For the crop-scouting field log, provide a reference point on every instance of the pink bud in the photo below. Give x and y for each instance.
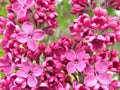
(10, 25)
(8, 8)
(11, 16)
(42, 46)
(118, 36)
(100, 12)
(114, 53)
(48, 51)
(12, 1)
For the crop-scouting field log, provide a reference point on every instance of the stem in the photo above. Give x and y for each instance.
(75, 76)
(81, 77)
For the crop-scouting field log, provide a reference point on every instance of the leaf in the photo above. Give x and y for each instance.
(111, 11)
(1, 53)
(2, 74)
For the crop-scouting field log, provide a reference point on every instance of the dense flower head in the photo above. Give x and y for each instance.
(80, 6)
(84, 60)
(112, 3)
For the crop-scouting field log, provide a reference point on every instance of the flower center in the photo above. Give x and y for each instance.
(29, 36)
(76, 61)
(30, 72)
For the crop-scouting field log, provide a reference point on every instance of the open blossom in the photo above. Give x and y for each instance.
(97, 74)
(30, 36)
(76, 60)
(30, 72)
(21, 7)
(97, 42)
(100, 12)
(79, 6)
(6, 64)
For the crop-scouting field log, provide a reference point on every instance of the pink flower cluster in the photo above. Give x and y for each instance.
(98, 31)
(86, 6)
(84, 61)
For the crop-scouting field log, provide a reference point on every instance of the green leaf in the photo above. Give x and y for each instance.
(1, 53)
(2, 74)
(111, 11)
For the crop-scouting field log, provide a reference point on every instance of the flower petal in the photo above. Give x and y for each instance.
(70, 55)
(22, 37)
(22, 2)
(32, 81)
(32, 45)
(8, 70)
(37, 70)
(80, 66)
(105, 78)
(19, 80)
(26, 67)
(28, 27)
(22, 73)
(22, 13)
(101, 66)
(90, 81)
(89, 70)
(16, 7)
(71, 67)
(29, 3)
(80, 54)
(38, 35)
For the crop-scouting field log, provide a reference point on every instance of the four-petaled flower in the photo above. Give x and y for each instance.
(21, 7)
(97, 74)
(76, 60)
(30, 36)
(6, 64)
(30, 72)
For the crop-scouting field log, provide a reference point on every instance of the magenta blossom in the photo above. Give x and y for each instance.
(30, 72)
(6, 64)
(97, 42)
(76, 60)
(30, 36)
(20, 7)
(97, 74)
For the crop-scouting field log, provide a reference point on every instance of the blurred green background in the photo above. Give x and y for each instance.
(3, 4)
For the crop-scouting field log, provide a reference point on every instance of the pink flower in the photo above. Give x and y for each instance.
(6, 64)
(82, 21)
(115, 84)
(79, 6)
(30, 72)
(100, 87)
(30, 36)
(97, 74)
(97, 42)
(76, 60)
(20, 7)
(115, 4)
(99, 22)
(110, 39)
(80, 86)
(100, 12)
(117, 35)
